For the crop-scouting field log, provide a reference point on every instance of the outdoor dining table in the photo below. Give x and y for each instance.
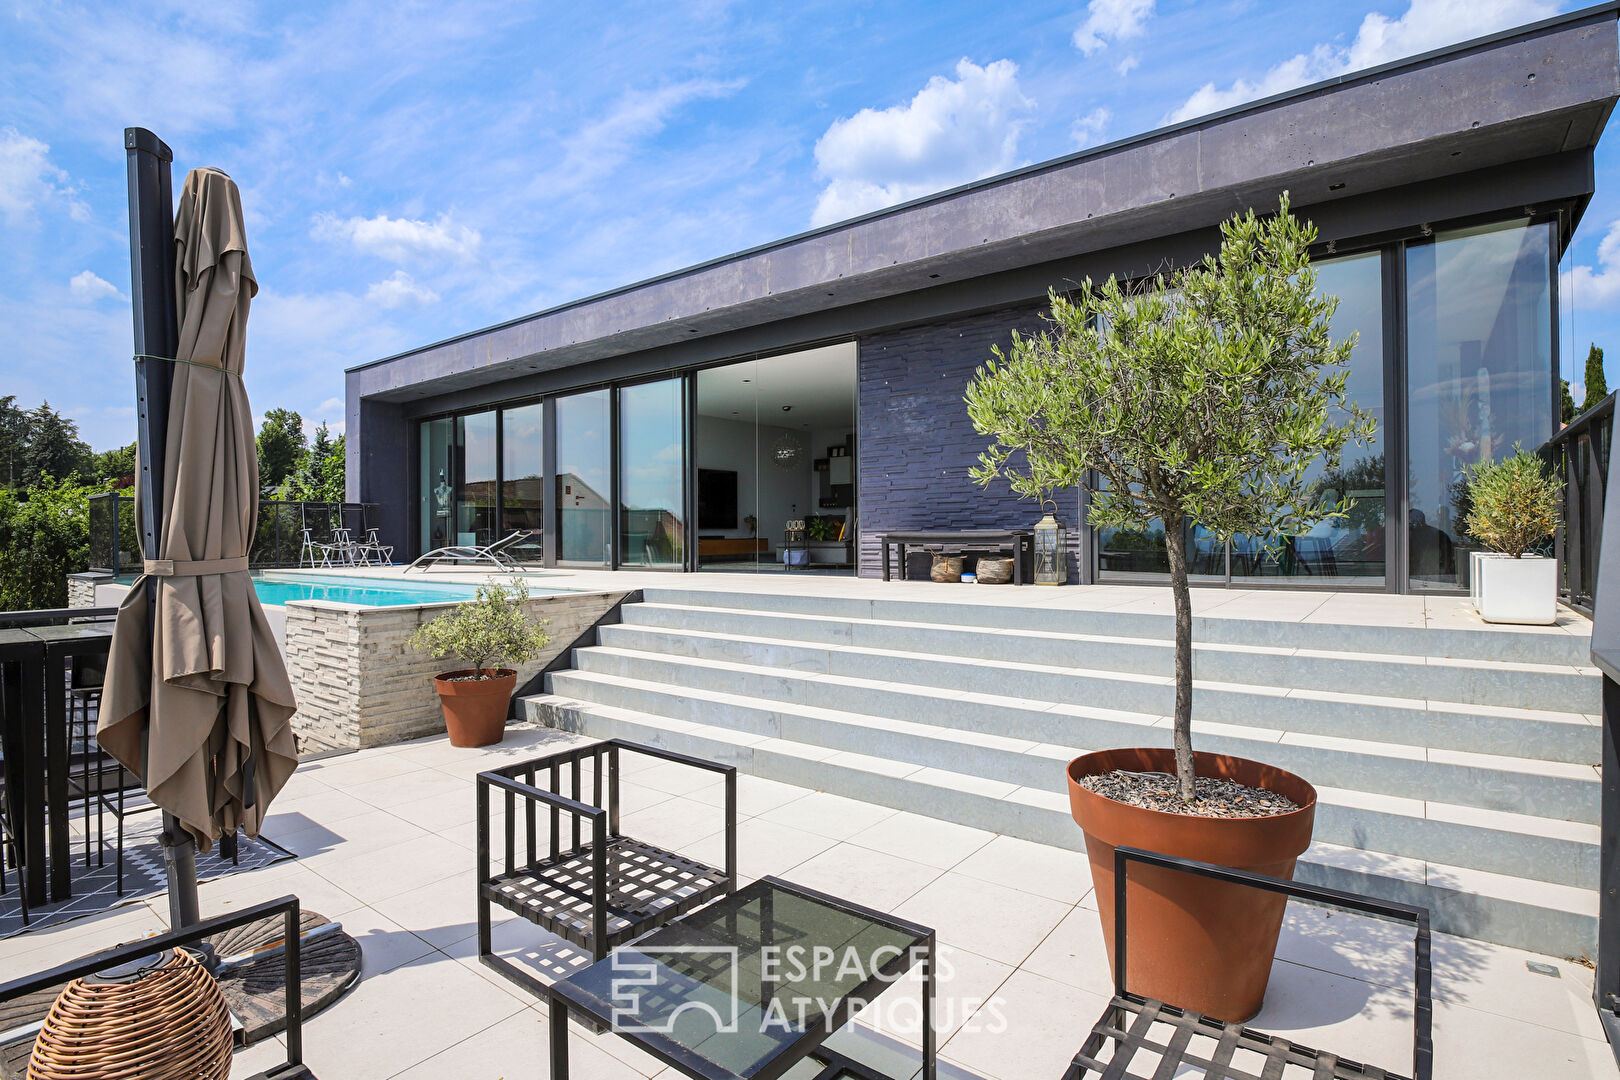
(33, 693)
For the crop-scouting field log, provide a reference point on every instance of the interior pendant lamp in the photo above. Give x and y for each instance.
(1051, 549)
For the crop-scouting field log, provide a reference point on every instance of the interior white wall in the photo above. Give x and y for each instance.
(731, 444)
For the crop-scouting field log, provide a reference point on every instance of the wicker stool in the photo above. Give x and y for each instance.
(160, 1018)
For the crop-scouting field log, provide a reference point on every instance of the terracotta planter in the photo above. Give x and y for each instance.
(475, 709)
(1202, 945)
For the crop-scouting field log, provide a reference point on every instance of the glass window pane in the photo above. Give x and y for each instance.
(1479, 375)
(652, 475)
(523, 496)
(1350, 549)
(437, 492)
(584, 465)
(475, 483)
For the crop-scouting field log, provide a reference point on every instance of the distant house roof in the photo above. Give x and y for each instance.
(1538, 90)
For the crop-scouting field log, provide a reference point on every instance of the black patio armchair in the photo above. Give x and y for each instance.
(287, 908)
(1138, 1038)
(591, 884)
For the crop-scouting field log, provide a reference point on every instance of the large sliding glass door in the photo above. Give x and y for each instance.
(585, 478)
(523, 484)
(476, 478)
(437, 472)
(1479, 376)
(1347, 550)
(1343, 551)
(652, 474)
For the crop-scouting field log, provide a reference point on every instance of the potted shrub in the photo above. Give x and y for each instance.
(1212, 395)
(1513, 506)
(486, 634)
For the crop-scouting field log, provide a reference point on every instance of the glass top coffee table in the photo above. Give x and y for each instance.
(751, 987)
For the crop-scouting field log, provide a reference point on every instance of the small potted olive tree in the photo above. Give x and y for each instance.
(1211, 395)
(1514, 507)
(486, 634)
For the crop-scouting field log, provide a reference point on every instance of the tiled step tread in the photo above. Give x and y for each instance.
(1500, 820)
(1079, 639)
(1559, 769)
(1560, 645)
(1400, 873)
(898, 656)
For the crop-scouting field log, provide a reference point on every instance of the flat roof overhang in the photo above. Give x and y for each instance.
(1536, 92)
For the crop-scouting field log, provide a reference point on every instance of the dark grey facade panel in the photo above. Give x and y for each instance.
(915, 443)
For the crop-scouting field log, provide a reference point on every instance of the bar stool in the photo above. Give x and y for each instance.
(9, 848)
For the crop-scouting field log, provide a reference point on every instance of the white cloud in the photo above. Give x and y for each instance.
(28, 179)
(1128, 65)
(399, 290)
(89, 287)
(1111, 20)
(1427, 24)
(951, 132)
(601, 146)
(402, 240)
(329, 406)
(1599, 286)
(1089, 128)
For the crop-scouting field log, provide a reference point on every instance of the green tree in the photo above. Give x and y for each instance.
(112, 468)
(1597, 387)
(45, 533)
(53, 448)
(1566, 403)
(1210, 394)
(281, 449)
(13, 440)
(334, 475)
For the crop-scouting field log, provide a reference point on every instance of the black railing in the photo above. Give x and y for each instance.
(1605, 574)
(278, 541)
(1580, 455)
(113, 542)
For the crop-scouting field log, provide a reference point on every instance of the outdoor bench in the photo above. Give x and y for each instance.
(1020, 541)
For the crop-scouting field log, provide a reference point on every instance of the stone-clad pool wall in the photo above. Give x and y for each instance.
(357, 682)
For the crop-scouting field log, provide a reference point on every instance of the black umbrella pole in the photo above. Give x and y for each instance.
(157, 335)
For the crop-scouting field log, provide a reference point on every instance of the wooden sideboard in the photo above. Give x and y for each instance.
(745, 545)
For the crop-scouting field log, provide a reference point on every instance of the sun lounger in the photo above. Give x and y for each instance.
(495, 554)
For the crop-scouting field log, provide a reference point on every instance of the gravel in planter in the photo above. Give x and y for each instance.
(1215, 797)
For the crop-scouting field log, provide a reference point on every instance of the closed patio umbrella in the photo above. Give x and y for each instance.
(197, 701)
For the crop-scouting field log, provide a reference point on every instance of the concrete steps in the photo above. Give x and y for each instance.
(1475, 806)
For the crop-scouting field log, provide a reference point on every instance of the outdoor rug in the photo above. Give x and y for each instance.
(94, 887)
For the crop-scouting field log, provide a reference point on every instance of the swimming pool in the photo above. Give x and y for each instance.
(361, 591)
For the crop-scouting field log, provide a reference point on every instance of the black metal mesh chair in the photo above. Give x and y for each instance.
(1139, 1038)
(591, 885)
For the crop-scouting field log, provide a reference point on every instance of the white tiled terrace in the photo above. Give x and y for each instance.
(385, 840)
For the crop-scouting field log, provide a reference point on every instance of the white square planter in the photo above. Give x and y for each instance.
(1523, 590)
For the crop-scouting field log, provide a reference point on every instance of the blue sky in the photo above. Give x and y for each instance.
(414, 170)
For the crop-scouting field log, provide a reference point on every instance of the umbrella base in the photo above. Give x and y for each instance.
(330, 963)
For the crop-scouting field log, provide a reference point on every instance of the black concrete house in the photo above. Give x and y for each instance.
(684, 421)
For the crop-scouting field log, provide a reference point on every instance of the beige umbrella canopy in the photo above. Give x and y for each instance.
(197, 700)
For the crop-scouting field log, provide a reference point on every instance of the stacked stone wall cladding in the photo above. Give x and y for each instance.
(916, 443)
(82, 588)
(360, 684)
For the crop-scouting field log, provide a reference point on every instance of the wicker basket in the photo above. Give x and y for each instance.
(946, 567)
(163, 1019)
(995, 570)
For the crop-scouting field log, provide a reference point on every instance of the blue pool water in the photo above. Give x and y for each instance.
(364, 592)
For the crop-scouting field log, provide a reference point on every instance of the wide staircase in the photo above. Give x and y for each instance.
(1456, 769)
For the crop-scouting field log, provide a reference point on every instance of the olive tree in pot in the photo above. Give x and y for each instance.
(486, 634)
(1513, 506)
(1212, 395)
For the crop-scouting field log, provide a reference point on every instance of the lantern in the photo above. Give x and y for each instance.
(1051, 551)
